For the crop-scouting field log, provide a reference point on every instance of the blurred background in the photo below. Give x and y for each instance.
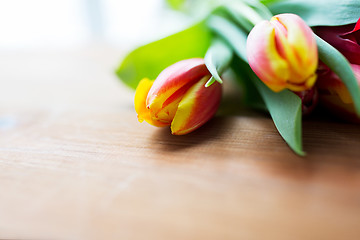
(65, 52)
(34, 24)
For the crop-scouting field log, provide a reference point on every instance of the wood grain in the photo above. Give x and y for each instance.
(76, 164)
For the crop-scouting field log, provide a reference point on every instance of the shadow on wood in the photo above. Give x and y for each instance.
(211, 131)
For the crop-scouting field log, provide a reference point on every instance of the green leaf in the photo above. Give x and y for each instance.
(285, 110)
(284, 107)
(217, 59)
(251, 95)
(267, 2)
(341, 67)
(321, 12)
(239, 18)
(247, 13)
(260, 8)
(149, 60)
(176, 4)
(232, 34)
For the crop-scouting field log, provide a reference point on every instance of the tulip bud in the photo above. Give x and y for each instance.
(283, 53)
(178, 97)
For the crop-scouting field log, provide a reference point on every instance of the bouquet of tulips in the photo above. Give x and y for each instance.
(287, 55)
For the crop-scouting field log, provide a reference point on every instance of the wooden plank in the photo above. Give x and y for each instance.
(75, 163)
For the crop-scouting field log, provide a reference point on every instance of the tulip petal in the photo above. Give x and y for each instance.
(171, 85)
(283, 53)
(300, 47)
(140, 103)
(357, 26)
(345, 38)
(197, 106)
(264, 57)
(307, 84)
(354, 35)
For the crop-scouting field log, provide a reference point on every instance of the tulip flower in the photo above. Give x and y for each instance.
(333, 92)
(283, 53)
(344, 38)
(178, 97)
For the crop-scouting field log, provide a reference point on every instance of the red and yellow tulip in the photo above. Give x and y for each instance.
(333, 92)
(178, 97)
(283, 53)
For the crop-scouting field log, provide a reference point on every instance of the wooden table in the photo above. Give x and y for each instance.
(76, 164)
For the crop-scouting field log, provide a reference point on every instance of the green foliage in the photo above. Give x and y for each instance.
(252, 97)
(260, 8)
(149, 60)
(284, 107)
(339, 65)
(320, 12)
(285, 110)
(239, 19)
(232, 34)
(267, 2)
(176, 4)
(217, 59)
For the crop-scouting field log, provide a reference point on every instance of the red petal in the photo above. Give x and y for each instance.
(344, 38)
(357, 26)
(197, 107)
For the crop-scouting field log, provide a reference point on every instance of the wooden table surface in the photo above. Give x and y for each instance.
(76, 164)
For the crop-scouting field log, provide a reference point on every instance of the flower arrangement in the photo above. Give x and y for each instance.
(288, 55)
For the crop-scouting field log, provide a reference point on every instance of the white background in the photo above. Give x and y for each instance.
(33, 24)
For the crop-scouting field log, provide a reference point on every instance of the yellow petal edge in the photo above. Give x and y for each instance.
(143, 112)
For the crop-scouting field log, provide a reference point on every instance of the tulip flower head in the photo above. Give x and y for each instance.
(344, 38)
(333, 93)
(283, 53)
(178, 97)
